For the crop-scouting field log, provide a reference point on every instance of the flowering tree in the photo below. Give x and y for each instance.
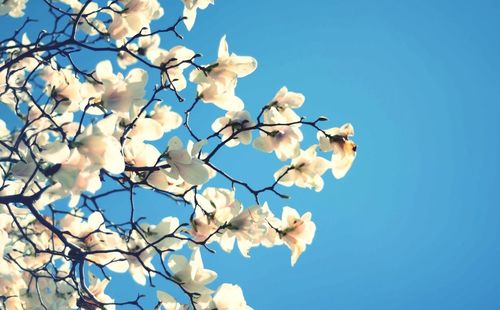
(83, 133)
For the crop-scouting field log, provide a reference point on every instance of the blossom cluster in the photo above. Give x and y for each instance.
(86, 134)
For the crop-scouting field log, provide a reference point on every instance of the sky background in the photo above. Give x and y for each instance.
(415, 223)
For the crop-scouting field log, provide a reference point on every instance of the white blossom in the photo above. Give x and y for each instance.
(305, 170)
(217, 83)
(13, 8)
(344, 150)
(230, 123)
(184, 164)
(190, 7)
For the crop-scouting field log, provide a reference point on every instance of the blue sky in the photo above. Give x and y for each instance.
(415, 224)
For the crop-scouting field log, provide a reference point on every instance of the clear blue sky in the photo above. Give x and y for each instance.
(415, 224)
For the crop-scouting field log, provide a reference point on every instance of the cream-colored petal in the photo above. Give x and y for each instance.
(223, 48)
(56, 152)
(147, 129)
(104, 70)
(194, 173)
(264, 144)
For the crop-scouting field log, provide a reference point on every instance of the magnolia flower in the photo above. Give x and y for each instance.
(173, 63)
(97, 287)
(149, 46)
(232, 122)
(137, 244)
(98, 144)
(29, 63)
(191, 275)
(248, 228)
(40, 126)
(279, 136)
(118, 93)
(221, 207)
(296, 231)
(185, 165)
(190, 7)
(64, 87)
(126, 58)
(168, 119)
(305, 170)
(14, 8)
(140, 154)
(164, 235)
(13, 79)
(130, 20)
(344, 150)
(75, 176)
(161, 180)
(146, 129)
(90, 24)
(223, 203)
(169, 303)
(216, 84)
(229, 297)
(93, 235)
(283, 103)
(283, 140)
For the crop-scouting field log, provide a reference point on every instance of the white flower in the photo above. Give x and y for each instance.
(64, 87)
(149, 46)
(192, 275)
(146, 129)
(126, 58)
(284, 102)
(283, 140)
(136, 244)
(75, 176)
(185, 165)
(98, 144)
(169, 303)
(94, 149)
(90, 24)
(217, 83)
(136, 14)
(281, 137)
(140, 154)
(173, 63)
(118, 93)
(232, 122)
(296, 231)
(344, 150)
(229, 297)
(248, 228)
(14, 8)
(221, 207)
(305, 170)
(12, 79)
(168, 119)
(94, 236)
(159, 235)
(190, 7)
(97, 287)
